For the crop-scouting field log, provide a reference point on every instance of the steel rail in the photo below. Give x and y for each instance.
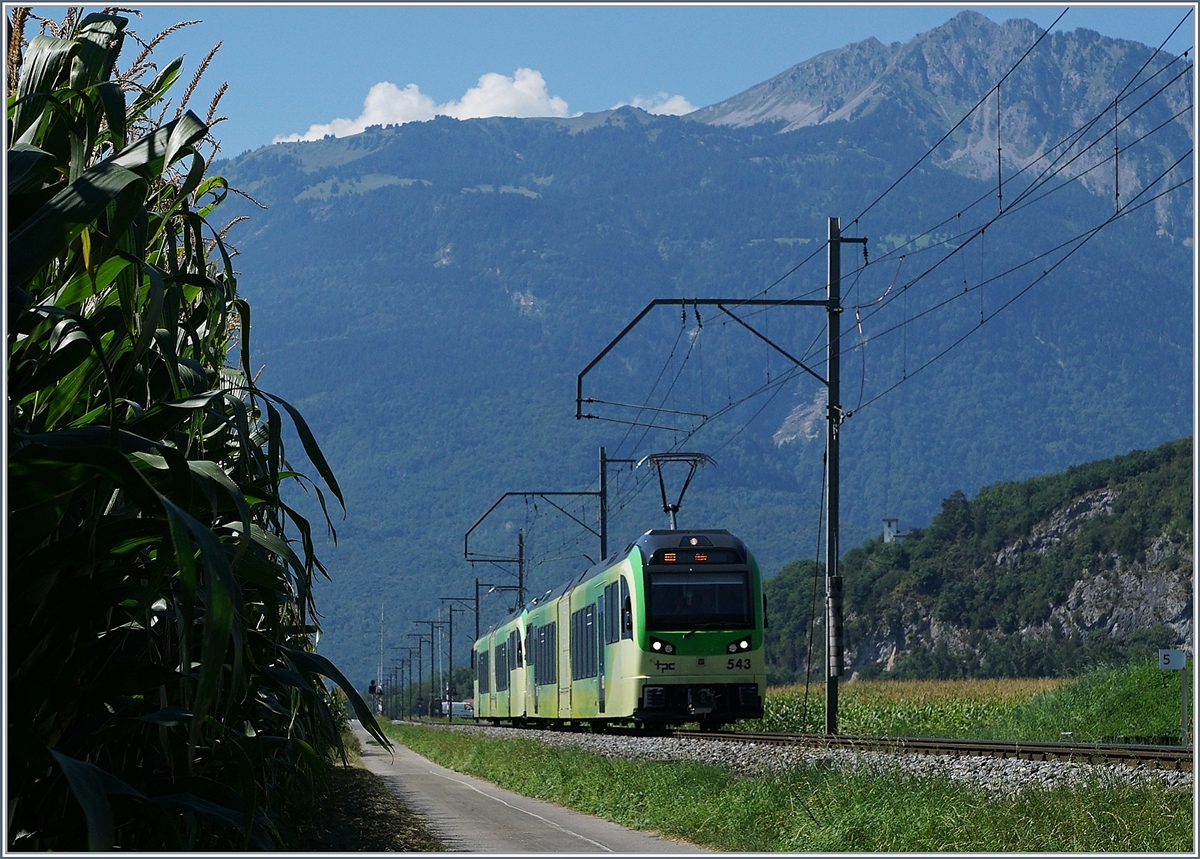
(1158, 757)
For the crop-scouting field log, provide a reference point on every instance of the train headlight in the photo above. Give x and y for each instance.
(660, 646)
(739, 645)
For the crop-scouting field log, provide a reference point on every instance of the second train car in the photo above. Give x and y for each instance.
(667, 632)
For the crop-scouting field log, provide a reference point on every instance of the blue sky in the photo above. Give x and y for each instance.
(296, 69)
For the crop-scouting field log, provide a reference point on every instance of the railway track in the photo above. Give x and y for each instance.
(1158, 757)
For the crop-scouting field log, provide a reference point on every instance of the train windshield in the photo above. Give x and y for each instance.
(699, 600)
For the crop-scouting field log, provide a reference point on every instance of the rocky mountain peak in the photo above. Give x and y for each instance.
(928, 84)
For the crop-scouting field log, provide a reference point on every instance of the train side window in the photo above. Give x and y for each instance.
(575, 645)
(481, 671)
(545, 662)
(583, 642)
(626, 610)
(603, 612)
(612, 613)
(590, 638)
(606, 616)
(502, 668)
(533, 652)
(578, 645)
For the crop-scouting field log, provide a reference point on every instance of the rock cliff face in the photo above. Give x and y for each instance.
(1113, 597)
(1126, 597)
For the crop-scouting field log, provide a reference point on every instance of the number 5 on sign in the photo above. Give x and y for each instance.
(1176, 660)
(1172, 660)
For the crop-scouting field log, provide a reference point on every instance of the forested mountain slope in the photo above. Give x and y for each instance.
(429, 293)
(1043, 577)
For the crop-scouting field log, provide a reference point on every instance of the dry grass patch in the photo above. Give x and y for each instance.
(912, 708)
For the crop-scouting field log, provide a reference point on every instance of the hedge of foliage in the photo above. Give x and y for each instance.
(162, 684)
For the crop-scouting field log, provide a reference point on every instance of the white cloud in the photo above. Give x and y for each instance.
(524, 94)
(385, 104)
(673, 105)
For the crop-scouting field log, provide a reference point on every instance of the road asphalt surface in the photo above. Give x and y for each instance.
(470, 815)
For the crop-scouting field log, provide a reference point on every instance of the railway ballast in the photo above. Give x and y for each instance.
(998, 776)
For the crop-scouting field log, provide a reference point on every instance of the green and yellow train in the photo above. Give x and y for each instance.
(669, 631)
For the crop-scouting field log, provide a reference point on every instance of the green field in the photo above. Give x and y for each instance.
(1131, 704)
(818, 807)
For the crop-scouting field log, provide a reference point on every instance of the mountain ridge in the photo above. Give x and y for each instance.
(427, 293)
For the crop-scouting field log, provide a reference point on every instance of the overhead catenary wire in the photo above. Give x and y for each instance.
(908, 320)
(1078, 241)
(1026, 197)
(1040, 181)
(1053, 168)
(983, 282)
(1081, 241)
(1065, 142)
(979, 232)
(968, 114)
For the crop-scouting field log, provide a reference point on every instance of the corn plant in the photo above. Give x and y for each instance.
(163, 689)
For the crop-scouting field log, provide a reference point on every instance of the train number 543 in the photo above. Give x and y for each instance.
(734, 664)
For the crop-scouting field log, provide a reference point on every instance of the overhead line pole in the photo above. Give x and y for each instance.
(835, 415)
(403, 690)
(601, 496)
(469, 601)
(450, 634)
(833, 579)
(604, 461)
(432, 691)
(420, 637)
(409, 703)
(695, 302)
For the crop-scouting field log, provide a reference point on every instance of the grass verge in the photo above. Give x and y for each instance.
(819, 808)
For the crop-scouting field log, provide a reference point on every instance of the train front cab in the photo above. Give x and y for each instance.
(698, 611)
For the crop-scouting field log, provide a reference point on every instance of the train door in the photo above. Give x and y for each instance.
(564, 657)
(491, 642)
(517, 698)
(531, 678)
(599, 632)
(506, 704)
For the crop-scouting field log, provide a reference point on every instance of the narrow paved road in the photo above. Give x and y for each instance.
(470, 815)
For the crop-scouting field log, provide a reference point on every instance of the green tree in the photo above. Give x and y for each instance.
(795, 600)
(163, 688)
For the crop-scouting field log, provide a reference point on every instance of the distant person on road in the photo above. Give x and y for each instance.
(420, 707)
